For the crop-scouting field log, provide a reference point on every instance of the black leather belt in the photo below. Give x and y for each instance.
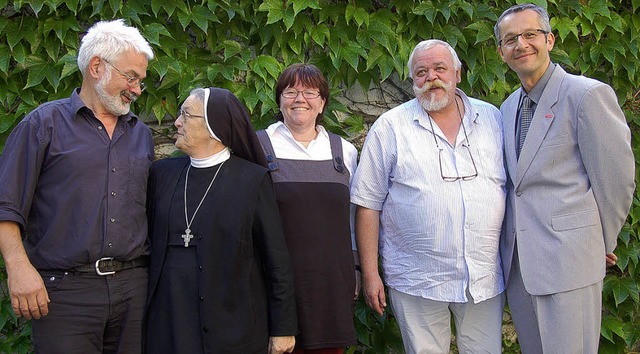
(108, 265)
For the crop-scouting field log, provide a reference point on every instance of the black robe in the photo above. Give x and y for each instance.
(235, 277)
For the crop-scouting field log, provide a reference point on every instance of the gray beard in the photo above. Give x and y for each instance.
(113, 104)
(430, 104)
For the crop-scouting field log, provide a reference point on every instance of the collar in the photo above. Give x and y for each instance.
(536, 91)
(77, 105)
(280, 127)
(212, 160)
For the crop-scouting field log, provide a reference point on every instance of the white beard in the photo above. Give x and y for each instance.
(429, 102)
(113, 104)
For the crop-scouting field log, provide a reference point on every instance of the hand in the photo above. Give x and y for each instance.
(29, 296)
(281, 344)
(611, 259)
(373, 290)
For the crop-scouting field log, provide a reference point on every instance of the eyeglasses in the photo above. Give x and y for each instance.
(466, 137)
(131, 80)
(308, 94)
(528, 36)
(455, 178)
(186, 115)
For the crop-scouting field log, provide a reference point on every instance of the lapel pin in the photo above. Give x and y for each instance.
(548, 115)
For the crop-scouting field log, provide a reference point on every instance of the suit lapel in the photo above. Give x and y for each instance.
(510, 110)
(542, 120)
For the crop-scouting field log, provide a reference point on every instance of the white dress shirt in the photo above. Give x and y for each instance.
(437, 238)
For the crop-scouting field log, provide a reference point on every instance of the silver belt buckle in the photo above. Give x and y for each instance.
(98, 266)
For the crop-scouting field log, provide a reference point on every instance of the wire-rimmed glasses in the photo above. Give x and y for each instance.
(528, 36)
(132, 81)
(186, 115)
(308, 94)
(466, 137)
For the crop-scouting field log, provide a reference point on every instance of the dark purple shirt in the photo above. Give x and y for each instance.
(77, 195)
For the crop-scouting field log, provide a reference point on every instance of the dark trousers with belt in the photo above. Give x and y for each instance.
(91, 313)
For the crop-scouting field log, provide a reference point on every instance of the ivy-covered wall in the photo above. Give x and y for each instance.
(243, 45)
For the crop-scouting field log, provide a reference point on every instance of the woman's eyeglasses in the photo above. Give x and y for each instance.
(308, 94)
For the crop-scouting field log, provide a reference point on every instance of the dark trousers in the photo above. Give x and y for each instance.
(89, 313)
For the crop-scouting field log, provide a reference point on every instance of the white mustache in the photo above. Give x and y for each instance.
(430, 85)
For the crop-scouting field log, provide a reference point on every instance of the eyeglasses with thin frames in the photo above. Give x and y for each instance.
(186, 115)
(131, 80)
(528, 36)
(308, 94)
(455, 178)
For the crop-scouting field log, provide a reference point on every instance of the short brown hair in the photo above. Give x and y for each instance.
(308, 75)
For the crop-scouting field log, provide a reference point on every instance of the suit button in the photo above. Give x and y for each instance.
(205, 329)
(518, 193)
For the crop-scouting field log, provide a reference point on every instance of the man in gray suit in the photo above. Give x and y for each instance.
(570, 186)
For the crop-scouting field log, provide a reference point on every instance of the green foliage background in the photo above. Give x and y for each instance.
(243, 45)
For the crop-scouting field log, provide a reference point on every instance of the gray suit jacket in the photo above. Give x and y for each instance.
(570, 192)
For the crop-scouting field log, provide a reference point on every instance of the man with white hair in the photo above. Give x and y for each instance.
(430, 191)
(73, 229)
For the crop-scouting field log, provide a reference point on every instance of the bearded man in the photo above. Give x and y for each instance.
(430, 192)
(73, 227)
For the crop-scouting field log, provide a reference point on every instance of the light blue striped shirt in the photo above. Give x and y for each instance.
(437, 238)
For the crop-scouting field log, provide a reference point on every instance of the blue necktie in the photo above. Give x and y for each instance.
(526, 115)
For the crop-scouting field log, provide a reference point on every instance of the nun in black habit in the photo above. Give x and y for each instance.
(220, 277)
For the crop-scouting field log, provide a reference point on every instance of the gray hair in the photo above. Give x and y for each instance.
(428, 44)
(108, 40)
(543, 17)
(198, 93)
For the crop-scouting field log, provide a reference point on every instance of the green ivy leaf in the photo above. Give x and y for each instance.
(14, 34)
(300, 5)
(289, 17)
(469, 9)
(153, 31)
(483, 30)
(169, 6)
(37, 73)
(351, 52)
(19, 54)
(361, 16)
(611, 325)
(485, 11)
(631, 334)
(201, 17)
(320, 34)
(36, 5)
(565, 26)
(349, 12)
(97, 8)
(596, 8)
(623, 288)
(5, 58)
(264, 65)
(427, 10)
(445, 9)
(275, 10)
(116, 5)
